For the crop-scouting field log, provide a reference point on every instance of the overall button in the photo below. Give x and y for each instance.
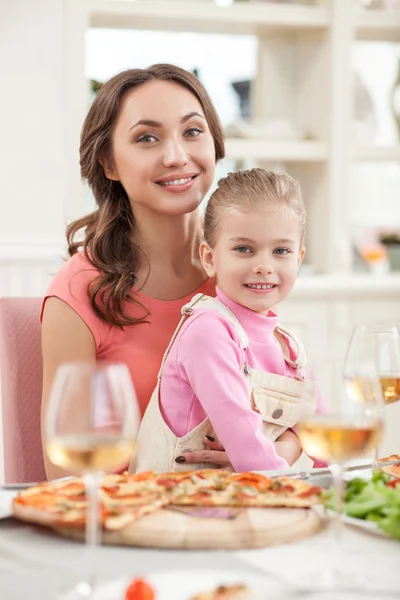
(278, 412)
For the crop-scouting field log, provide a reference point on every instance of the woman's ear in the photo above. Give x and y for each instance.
(108, 169)
(207, 259)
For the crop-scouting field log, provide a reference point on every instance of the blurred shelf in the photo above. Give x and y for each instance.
(378, 25)
(361, 286)
(377, 153)
(276, 150)
(205, 16)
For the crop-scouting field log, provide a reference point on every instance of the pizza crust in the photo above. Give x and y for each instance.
(393, 470)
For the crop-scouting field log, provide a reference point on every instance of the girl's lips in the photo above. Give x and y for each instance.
(265, 290)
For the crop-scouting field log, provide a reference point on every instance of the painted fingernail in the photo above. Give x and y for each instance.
(210, 438)
(180, 459)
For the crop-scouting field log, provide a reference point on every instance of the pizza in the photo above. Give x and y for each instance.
(393, 470)
(226, 592)
(211, 487)
(125, 498)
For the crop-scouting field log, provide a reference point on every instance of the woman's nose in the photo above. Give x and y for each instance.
(175, 154)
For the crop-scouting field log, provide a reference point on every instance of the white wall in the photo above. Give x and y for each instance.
(32, 149)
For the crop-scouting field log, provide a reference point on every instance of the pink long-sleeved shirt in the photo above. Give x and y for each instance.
(202, 377)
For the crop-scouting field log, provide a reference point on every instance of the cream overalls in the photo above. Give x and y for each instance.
(280, 400)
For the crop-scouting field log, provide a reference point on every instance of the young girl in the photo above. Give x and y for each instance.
(230, 370)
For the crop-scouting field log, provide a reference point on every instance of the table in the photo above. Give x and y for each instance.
(36, 564)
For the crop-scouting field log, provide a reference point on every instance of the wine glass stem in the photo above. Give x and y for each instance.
(330, 575)
(92, 524)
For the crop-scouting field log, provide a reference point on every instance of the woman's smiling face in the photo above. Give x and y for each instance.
(163, 151)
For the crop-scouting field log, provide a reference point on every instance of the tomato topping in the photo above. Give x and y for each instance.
(111, 489)
(166, 482)
(142, 476)
(314, 490)
(253, 479)
(393, 483)
(283, 489)
(139, 589)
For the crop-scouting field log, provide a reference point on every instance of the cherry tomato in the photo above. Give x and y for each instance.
(139, 589)
(393, 483)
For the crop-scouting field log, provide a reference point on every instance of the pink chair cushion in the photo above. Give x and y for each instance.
(21, 388)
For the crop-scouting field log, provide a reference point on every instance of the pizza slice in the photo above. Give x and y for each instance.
(123, 500)
(226, 592)
(393, 470)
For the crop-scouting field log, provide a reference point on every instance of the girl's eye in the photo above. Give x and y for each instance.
(147, 138)
(281, 251)
(193, 132)
(243, 249)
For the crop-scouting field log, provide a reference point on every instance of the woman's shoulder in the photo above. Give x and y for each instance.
(73, 276)
(71, 285)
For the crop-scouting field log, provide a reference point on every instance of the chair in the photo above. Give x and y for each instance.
(21, 388)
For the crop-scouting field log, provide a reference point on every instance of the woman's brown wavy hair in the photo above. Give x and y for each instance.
(108, 241)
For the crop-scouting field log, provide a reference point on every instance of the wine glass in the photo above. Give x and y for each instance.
(349, 429)
(91, 425)
(381, 345)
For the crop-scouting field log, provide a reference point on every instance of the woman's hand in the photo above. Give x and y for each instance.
(288, 446)
(215, 455)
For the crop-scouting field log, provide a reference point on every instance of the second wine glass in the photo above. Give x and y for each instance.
(349, 429)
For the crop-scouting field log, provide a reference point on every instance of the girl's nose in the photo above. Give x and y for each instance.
(261, 269)
(175, 154)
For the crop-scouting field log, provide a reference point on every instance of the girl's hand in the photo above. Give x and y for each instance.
(216, 455)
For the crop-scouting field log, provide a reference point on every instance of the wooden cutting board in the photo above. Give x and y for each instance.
(251, 528)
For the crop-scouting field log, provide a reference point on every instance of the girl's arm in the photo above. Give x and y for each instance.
(209, 358)
(65, 338)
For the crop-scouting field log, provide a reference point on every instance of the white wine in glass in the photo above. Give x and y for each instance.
(92, 422)
(339, 439)
(381, 346)
(351, 428)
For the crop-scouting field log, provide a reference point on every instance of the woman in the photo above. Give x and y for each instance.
(148, 151)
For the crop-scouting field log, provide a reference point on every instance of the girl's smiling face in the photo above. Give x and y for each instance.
(256, 255)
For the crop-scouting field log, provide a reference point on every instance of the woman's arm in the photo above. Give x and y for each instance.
(65, 338)
(288, 446)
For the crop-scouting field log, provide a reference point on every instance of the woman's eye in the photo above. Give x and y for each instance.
(193, 132)
(243, 249)
(147, 138)
(281, 251)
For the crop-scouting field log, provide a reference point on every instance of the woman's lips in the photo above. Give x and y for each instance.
(177, 184)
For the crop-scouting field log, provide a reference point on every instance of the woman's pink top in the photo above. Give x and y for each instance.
(202, 377)
(140, 346)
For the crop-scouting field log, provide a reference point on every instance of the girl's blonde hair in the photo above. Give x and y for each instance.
(239, 191)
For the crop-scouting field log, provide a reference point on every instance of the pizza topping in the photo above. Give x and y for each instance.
(313, 490)
(126, 498)
(139, 589)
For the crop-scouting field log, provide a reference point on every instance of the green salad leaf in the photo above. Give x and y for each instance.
(376, 500)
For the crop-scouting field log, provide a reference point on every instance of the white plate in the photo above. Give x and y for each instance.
(184, 584)
(6, 498)
(369, 526)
